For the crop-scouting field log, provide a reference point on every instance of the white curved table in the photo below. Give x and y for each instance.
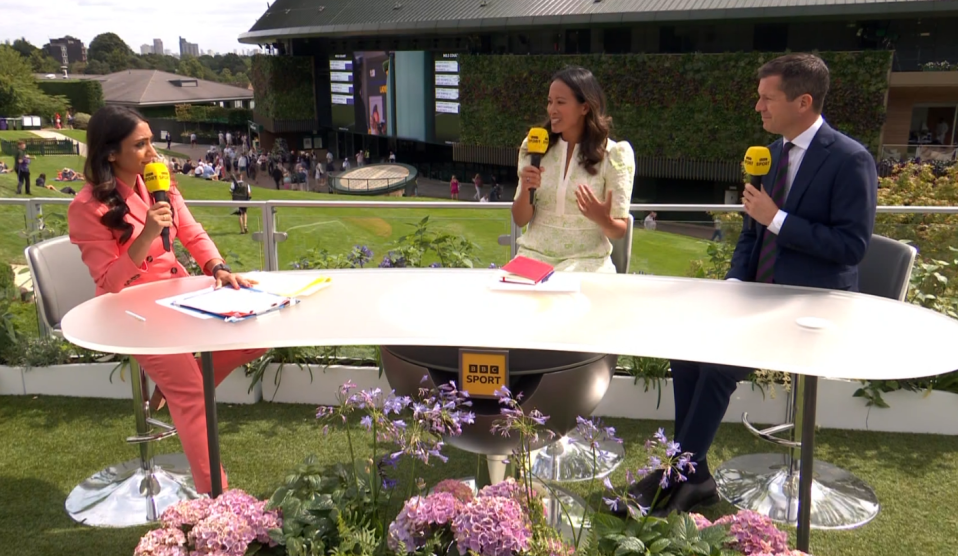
(805, 331)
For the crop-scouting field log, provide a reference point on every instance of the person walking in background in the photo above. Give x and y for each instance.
(477, 181)
(454, 188)
(649, 221)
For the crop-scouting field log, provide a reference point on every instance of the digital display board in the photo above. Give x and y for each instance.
(447, 95)
(342, 91)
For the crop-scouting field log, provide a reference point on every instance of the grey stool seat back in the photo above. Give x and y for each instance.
(61, 280)
(886, 269)
(622, 249)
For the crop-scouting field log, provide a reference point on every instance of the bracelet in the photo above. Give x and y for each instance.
(218, 267)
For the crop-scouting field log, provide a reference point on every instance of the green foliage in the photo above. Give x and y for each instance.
(675, 536)
(283, 87)
(83, 95)
(43, 351)
(653, 372)
(213, 114)
(81, 120)
(324, 510)
(674, 105)
(19, 93)
(110, 50)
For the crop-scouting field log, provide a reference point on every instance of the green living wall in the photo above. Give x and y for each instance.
(83, 95)
(699, 106)
(283, 87)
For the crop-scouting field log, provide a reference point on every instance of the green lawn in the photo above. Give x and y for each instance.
(13, 135)
(51, 444)
(75, 134)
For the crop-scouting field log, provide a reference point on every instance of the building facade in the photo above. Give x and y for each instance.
(921, 102)
(188, 48)
(66, 50)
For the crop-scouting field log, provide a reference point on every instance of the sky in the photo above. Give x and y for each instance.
(212, 25)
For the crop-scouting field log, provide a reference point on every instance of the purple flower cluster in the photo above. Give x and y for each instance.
(663, 455)
(419, 518)
(392, 261)
(593, 432)
(435, 414)
(492, 526)
(509, 488)
(754, 533)
(360, 255)
(516, 420)
(224, 526)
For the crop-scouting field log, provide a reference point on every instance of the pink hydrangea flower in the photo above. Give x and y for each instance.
(418, 518)
(492, 526)
(186, 512)
(701, 522)
(754, 533)
(462, 492)
(162, 542)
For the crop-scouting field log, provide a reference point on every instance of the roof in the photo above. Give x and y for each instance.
(305, 18)
(72, 77)
(158, 88)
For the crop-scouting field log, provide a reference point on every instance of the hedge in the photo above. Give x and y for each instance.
(83, 95)
(283, 87)
(213, 114)
(673, 105)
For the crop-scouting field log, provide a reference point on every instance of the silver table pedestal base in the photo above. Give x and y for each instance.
(569, 459)
(132, 493)
(765, 484)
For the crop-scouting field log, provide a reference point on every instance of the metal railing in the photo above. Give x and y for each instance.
(271, 237)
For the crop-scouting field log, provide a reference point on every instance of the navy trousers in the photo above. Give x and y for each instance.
(702, 392)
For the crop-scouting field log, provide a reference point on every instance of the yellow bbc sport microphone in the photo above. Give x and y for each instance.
(156, 176)
(758, 162)
(538, 144)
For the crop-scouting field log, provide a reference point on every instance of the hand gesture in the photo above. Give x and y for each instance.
(590, 207)
(759, 205)
(530, 178)
(224, 277)
(158, 218)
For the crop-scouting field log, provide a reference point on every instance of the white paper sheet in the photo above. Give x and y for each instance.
(223, 301)
(559, 282)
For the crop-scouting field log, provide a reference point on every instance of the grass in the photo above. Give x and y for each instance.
(75, 134)
(335, 229)
(51, 444)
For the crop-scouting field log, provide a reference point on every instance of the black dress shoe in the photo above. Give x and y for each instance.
(687, 496)
(643, 492)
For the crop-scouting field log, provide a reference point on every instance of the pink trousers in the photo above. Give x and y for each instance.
(181, 379)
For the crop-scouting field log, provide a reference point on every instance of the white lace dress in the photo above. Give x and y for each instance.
(559, 234)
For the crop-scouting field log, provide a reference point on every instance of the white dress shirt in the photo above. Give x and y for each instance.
(800, 146)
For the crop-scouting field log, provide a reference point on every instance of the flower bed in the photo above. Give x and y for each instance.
(358, 507)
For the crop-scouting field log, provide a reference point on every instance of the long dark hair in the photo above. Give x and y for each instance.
(107, 129)
(597, 124)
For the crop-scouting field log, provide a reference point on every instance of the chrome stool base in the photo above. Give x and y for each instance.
(569, 459)
(764, 484)
(125, 495)
(564, 510)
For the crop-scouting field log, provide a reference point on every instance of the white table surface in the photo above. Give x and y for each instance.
(735, 323)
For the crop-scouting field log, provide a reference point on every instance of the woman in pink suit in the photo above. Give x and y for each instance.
(117, 228)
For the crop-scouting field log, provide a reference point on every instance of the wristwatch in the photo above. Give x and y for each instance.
(219, 267)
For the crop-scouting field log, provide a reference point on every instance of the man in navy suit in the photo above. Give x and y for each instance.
(809, 225)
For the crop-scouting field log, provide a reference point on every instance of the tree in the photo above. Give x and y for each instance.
(19, 93)
(110, 49)
(24, 47)
(43, 63)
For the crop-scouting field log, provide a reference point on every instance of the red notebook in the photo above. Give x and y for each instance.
(523, 270)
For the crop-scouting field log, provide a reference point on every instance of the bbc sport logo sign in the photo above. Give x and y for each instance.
(482, 372)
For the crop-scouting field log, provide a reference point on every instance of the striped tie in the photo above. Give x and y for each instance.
(766, 259)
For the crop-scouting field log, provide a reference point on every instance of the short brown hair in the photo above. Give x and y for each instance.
(802, 74)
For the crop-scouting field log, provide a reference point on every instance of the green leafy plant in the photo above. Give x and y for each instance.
(666, 105)
(283, 87)
(677, 535)
(653, 372)
(83, 95)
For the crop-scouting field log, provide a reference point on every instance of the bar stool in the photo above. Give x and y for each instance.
(769, 483)
(130, 493)
(569, 459)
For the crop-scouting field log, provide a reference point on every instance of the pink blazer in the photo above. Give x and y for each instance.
(110, 265)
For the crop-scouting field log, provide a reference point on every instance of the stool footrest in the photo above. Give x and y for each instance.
(768, 434)
(166, 431)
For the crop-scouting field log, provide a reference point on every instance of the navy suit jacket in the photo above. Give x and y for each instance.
(831, 214)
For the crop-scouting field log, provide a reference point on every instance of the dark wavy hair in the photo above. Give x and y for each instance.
(107, 129)
(597, 123)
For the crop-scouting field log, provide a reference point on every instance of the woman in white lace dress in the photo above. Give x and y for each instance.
(583, 185)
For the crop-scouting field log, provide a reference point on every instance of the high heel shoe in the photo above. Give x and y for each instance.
(157, 400)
